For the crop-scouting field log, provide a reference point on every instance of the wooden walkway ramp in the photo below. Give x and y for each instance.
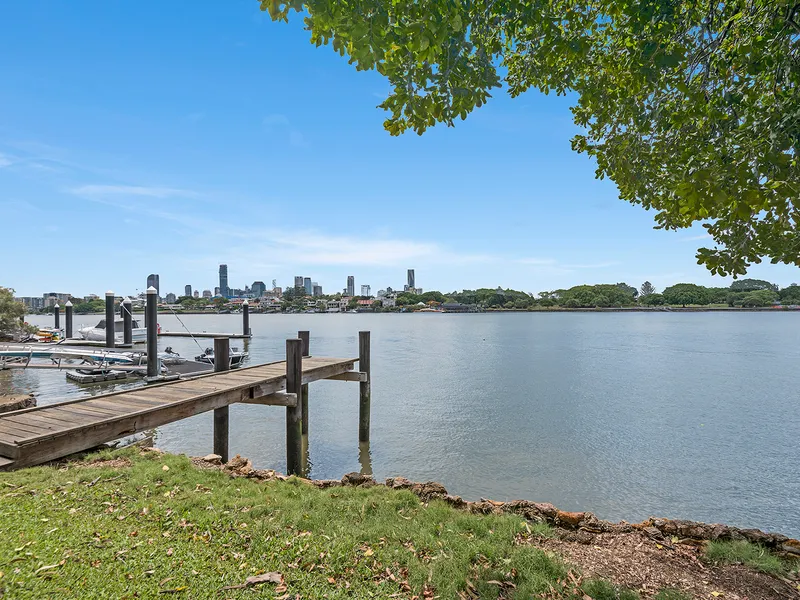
(36, 435)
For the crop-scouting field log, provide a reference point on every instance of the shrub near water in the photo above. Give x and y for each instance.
(161, 525)
(745, 553)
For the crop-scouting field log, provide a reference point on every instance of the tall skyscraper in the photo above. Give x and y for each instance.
(187, 291)
(316, 289)
(152, 281)
(171, 298)
(298, 281)
(307, 286)
(223, 281)
(411, 282)
(258, 289)
(366, 291)
(351, 286)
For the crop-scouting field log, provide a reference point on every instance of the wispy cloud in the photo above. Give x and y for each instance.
(5, 161)
(195, 117)
(297, 140)
(279, 124)
(551, 264)
(99, 191)
(544, 262)
(274, 121)
(695, 238)
(599, 265)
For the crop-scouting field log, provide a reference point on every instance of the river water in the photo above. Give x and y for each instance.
(629, 415)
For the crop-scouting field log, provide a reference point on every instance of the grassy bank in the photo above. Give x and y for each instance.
(153, 524)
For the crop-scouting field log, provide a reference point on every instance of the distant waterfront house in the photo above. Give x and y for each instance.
(458, 307)
(334, 306)
(387, 302)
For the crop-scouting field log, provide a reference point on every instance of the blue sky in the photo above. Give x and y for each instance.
(166, 137)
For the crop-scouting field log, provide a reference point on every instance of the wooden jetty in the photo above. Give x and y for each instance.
(203, 334)
(36, 435)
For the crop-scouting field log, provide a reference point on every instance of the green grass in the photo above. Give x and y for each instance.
(744, 553)
(110, 533)
(599, 589)
(671, 594)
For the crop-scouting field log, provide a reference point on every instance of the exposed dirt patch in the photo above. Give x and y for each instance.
(636, 561)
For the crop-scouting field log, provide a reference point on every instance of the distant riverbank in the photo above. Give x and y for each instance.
(552, 309)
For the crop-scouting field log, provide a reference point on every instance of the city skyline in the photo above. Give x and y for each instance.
(213, 163)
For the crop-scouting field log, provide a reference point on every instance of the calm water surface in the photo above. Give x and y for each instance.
(628, 415)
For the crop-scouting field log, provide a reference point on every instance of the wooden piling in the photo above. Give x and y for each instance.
(110, 315)
(305, 337)
(222, 362)
(294, 414)
(365, 393)
(151, 312)
(68, 319)
(127, 322)
(57, 316)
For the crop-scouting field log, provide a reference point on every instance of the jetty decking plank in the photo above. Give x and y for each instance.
(46, 432)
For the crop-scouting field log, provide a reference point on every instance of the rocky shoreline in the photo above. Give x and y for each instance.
(583, 524)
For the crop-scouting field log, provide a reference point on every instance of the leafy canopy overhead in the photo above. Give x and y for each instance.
(690, 106)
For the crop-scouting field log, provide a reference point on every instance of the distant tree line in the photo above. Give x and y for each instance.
(748, 293)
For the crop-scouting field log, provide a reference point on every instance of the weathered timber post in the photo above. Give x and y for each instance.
(151, 313)
(222, 362)
(294, 414)
(305, 338)
(246, 317)
(364, 387)
(110, 316)
(127, 322)
(68, 319)
(57, 316)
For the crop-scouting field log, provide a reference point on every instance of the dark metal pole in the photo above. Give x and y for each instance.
(365, 390)
(246, 318)
(110, 316)
(68, 319)
(151, 311)
(127, 322)
(294, 414)
(57, 316)
(222, 362)
(305, 338)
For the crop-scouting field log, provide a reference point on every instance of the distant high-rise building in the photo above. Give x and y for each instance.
(206, 293)
(298, 281)
(258, 288)
(411, 282)
(316, 290)
(217, 291)
(171, 298)
(351, 286)
(223, 281)
(366, 291)
(196, 294)
(187, 291)
(307, 286)
(152, 281)
(53, 298)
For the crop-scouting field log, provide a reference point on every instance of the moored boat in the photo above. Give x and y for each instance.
(98, 332)
(237, 357)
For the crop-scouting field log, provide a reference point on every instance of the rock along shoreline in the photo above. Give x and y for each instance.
(539, 512)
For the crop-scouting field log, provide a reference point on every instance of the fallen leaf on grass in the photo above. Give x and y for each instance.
(165, 468)
(270, 577)
(177, 590)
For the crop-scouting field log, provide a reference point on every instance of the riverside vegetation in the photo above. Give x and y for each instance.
(134, 523)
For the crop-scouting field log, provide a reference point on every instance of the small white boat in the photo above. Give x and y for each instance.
(98, 332)
(237, 358)
(170, 357)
